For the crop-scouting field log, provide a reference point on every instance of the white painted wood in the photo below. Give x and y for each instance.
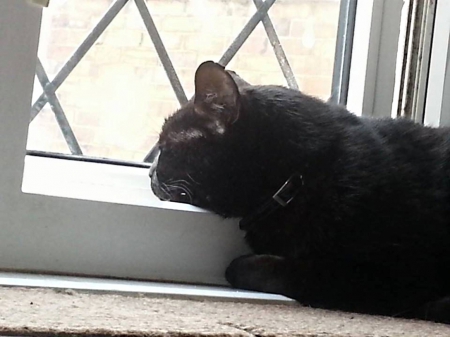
(372, 75)
(140, 287)
(435, 115)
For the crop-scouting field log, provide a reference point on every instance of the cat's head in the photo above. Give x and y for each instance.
(201, 159)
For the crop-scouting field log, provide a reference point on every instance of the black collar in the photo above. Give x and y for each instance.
(288, 191)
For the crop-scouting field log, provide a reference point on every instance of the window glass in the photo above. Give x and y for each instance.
(114, 101)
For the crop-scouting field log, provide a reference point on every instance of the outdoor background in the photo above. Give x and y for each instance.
(116, 99)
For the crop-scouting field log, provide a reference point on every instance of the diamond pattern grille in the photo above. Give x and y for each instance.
(261, 15)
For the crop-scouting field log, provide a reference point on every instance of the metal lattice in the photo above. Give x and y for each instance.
(50, 87)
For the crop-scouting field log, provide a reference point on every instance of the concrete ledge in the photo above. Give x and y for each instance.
(45, 312)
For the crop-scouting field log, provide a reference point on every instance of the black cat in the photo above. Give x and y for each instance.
(341, 212)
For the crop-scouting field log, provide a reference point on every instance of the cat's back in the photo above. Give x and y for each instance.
(387, 180)
(412, 174)
(404, 133)
(424, 149)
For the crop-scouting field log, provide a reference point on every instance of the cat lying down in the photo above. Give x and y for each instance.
(341, 212)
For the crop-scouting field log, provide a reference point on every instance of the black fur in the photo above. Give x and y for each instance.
(369, 231)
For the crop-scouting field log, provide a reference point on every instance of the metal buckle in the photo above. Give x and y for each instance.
(289, 190)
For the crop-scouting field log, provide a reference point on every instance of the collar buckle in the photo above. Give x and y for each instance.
(289, 190)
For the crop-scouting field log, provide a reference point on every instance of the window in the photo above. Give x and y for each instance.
(78, 217)
(118, 68)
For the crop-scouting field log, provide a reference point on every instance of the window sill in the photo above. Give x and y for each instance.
(12, 279)
(38, 311)
(93, 181)
(103, 220)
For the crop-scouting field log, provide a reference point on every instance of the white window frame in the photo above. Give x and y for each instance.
(372, 74)
(437, 104)
(102, 220)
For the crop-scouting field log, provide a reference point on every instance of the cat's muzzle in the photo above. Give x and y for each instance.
(166, 192)
(157, 189)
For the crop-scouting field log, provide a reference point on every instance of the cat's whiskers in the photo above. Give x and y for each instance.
(178, 181)
(165, 188)
(193, 180)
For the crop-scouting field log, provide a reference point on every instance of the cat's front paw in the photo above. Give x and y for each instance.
(237, 272)
(265, 273)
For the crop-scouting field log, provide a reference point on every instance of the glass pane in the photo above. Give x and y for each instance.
(117, 97)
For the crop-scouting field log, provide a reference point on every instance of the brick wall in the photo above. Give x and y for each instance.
(118, 96)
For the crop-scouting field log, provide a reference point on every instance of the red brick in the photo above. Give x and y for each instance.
(317, 86)
(171, 41)
(139, 57)
(258, 63)
(166, 8)
(122, 37)
(184, 60)
(203, 44)
(256, 45)
(182, 24)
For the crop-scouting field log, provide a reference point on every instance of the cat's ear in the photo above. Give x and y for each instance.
(216, 93)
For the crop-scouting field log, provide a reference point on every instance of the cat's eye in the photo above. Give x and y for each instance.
(181, 196)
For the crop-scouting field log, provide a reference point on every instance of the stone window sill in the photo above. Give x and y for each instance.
(62, 312)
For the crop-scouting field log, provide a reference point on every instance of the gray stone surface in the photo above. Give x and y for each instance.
(26, 311)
